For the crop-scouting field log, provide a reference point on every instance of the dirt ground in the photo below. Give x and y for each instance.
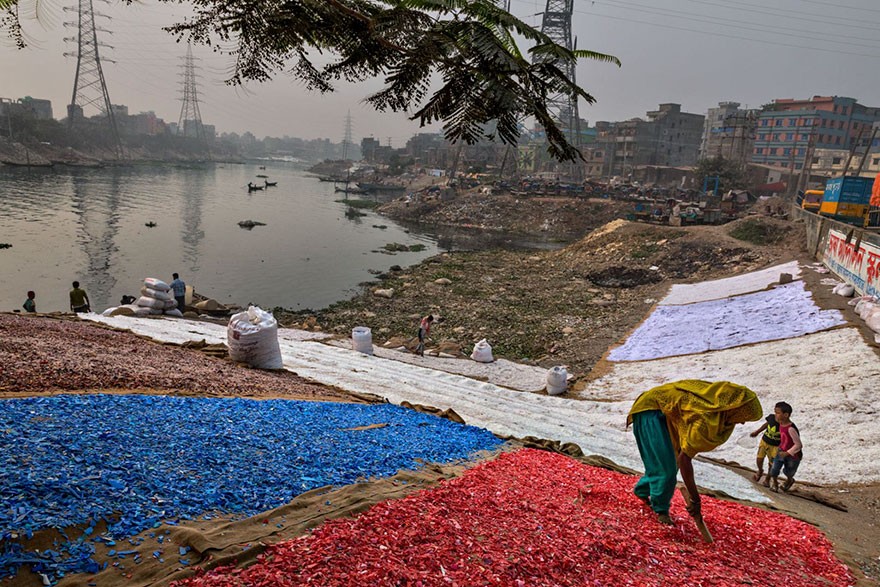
(550, 217)
(550, 308)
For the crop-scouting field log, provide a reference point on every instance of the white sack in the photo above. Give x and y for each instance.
(175, 313)
(482, 352)
(845, 290)
(252, 338)
(557, 380)
(362, 340)
(145, 302)
(157, 284)
(156, 294)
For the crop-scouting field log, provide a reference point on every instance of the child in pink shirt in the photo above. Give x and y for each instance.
(790, 449)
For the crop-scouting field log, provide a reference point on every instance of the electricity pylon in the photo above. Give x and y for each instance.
(556, 24)
(89, 85)
(346, 140)
(190, 122)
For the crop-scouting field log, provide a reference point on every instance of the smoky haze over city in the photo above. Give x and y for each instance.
(692, 52)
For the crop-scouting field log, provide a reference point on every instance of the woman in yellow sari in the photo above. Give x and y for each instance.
(674, 422)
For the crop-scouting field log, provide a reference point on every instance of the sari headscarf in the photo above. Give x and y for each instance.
(700, 415)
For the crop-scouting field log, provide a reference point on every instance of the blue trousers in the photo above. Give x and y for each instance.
(658, 456)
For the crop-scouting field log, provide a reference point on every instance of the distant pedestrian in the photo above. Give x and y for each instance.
(79, 299)
(29, 304)
(179, 289)
(424, 331)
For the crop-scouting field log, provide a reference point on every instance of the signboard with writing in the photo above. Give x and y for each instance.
(848, 190)
(859, 266)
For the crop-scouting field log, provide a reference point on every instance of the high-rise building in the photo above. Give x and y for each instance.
(789, 129)
(668, 138)
(729, 132)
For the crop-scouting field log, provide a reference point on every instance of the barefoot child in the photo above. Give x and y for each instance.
(769, 445)
(789, 456)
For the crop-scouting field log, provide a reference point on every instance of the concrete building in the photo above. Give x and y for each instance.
(38, 108)
(827, 163)
(668, 138)
(678, 134)
(729, 132)
(146, 123)
(789, 129)
(41, 109)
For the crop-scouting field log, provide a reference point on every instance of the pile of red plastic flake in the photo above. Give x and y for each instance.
(533, 518)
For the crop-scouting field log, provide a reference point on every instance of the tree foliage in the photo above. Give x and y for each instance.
(452, 61)
(730, 175)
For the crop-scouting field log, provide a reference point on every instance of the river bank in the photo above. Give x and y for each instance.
(549, 307)
(14, 154)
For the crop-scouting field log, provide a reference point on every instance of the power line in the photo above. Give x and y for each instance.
(825, 18)
(720, 20)
(723, 35)
(841, 6)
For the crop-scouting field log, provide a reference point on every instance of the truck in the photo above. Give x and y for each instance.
(812, 200)
(847, 199)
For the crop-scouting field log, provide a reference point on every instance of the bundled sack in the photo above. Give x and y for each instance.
(844, 289)
(557, 380)
(154, 304)
(482, 352)
(252, 338)
(156, 294)
(156, 284)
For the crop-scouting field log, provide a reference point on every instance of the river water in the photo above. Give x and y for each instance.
(89, 225)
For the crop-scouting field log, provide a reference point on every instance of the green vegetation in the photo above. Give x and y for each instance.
(644, 251)
(446, 61)
(730, 175)
(753, 230)
(360, 204)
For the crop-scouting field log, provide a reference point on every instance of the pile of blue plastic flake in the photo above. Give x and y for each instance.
(135, 461)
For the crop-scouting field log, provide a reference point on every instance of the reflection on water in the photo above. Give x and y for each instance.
(96, 207)
(89, 225)
(192, 233)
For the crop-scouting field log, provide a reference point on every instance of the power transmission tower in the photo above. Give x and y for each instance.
(89, 85)
(556, 24)
(346, 140)
(190, 122)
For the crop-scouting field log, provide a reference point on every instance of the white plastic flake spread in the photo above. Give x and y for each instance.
(786, 311)
(597, 427)
(829, 378)
(704, 291)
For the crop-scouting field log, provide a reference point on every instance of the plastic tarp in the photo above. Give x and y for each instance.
(783, 312)
(689, 293)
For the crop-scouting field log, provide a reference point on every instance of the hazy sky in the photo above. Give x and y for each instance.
(694, 52)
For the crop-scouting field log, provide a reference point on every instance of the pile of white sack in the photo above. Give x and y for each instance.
(156, 299)
(868, 309)
(252, 338)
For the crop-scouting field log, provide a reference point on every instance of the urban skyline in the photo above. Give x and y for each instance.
(661, 64)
